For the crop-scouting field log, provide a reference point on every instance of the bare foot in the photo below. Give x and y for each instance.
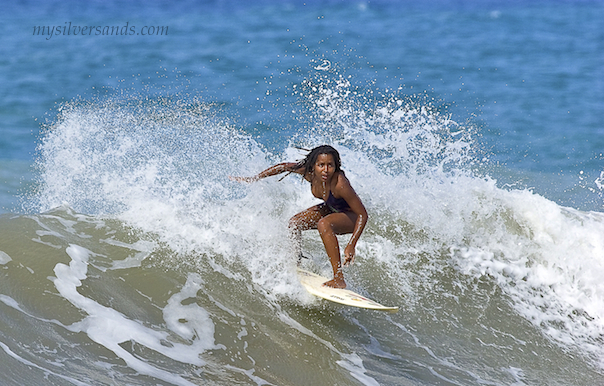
(335, 283)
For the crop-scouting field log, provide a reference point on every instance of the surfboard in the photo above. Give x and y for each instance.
(313, 283)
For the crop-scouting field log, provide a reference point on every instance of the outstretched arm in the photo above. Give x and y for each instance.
(272, 171)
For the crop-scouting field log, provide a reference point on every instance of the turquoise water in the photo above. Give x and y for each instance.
(471, 130)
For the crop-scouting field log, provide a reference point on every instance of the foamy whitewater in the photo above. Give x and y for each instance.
(135, 260)
(152, 177)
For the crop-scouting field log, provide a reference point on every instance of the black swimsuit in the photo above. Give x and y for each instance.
(337, 205)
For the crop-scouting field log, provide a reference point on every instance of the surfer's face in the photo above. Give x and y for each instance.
(325, 167)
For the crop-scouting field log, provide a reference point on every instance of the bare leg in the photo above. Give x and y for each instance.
(303, 221)
(295, 237)
(330, 226)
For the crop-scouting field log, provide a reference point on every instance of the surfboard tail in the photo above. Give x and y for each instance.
(313, 283)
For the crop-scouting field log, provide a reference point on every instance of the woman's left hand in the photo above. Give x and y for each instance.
(348, 255)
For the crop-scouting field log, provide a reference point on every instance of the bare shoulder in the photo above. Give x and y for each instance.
(344, 190)
(342, 185)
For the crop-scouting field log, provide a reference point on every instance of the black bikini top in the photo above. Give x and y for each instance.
(337, 204)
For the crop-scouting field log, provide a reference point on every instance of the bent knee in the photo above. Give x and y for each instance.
(324, 225)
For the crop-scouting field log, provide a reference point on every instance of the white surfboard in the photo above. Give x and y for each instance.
(314, 285)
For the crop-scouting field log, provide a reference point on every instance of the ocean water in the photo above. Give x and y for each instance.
(473, 131)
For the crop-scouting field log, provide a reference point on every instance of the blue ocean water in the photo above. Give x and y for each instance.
(528, 73)
(473, 130)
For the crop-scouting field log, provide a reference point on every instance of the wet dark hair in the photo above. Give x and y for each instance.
(308, 163)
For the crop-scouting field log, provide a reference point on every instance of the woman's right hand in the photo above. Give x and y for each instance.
(243, 179)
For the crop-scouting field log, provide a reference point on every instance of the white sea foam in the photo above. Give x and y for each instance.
(110, 328)
(143, 247)
(4, 258)
(549, 259)
(164, 170)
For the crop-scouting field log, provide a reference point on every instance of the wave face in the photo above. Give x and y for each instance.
(143, 263)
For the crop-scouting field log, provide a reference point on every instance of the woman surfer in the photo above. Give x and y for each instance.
(342, 211)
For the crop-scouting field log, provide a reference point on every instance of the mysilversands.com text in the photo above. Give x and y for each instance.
(75, 30)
